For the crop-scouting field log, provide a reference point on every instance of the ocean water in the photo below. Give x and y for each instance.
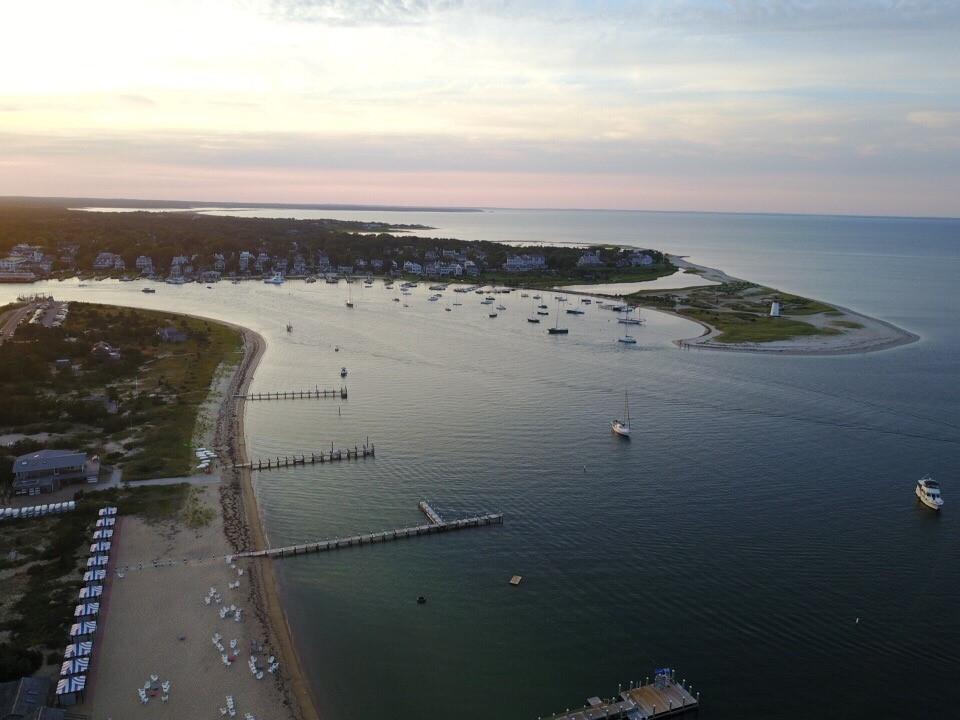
(763, 505)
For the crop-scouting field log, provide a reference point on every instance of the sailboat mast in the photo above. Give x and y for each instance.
(626, 407)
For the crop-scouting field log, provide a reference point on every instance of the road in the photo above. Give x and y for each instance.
(11, 319)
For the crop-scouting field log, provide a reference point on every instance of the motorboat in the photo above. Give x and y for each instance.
(628, 340)
(501, 307)
(343, 372)
(277, 279)
(533, 319)
(148, 290)
(928, 491)
(622, 427)
(574, 311)
(493, 314)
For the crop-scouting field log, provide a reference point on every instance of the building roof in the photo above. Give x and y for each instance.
(21, 698)
(48, 460)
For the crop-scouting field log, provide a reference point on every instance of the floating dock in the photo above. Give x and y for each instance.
(664, 697)
(314, 394)
(377, 537)
(285, 461)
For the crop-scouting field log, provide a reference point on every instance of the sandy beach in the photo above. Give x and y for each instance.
(156, 621)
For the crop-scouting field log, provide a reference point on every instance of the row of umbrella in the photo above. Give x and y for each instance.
(77, 655)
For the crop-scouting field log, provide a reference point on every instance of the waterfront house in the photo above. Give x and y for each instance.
(590, 259)
(524, 263)
(219, 263)
(243, 261)
(50, 470)
(413, 268)
(145, 264)
(106, 261)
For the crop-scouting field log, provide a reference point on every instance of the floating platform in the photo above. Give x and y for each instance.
(664, 697)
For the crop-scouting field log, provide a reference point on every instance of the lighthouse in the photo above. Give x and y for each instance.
(775, 309)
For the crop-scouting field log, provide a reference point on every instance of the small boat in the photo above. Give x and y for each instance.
(628, 340)
(277, 279)
(537, 297)
(209, 287)
(448, 309)
(622, 427)
(234, 282)
(533, 319)
(574, 311)
(396, 299)
(928, 491)
(542, 312)
(493, 314)
(586, 301)
(343, 372)
(289, 327)
(523, 295)
(349, 297)
(458, 304)
(336, 348)
(148, 290)
(501, 307)
(310, 279)
(421, 600)
(560, 298)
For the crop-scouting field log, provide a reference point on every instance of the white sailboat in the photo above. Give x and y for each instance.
(349, 297)
(622, 427)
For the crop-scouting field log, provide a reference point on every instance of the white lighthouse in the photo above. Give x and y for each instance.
(775, 309)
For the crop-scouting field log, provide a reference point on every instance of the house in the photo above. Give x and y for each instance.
(243, 262)
(106, 261)
(413, 268)
(524, 263)
(641, 258)
(376, 264)
(219, 263)
(323, 262)
(448, 269)
(26, 699)
(590, 259)
(171, 335)
(210, 276)
(345, 269)
(49, 470)
(145, 265)
(471, 268)
(105, 351)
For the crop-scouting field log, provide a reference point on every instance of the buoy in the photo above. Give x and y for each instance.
(421, 600)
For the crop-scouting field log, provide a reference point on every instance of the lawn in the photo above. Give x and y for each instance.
(743, 327)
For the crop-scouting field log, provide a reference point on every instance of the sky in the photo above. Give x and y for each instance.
(811, 106)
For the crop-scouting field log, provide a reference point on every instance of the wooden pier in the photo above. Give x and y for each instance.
(376, 537)
(664, 697)
(314, 458)
(315, 394)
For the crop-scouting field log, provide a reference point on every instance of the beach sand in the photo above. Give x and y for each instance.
(154, 620)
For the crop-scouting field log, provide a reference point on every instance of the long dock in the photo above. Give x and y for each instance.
(664, 697)
(285, 461)
(309, 394)
(376, 537)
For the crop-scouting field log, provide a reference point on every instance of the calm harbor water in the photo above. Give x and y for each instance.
(763, 505)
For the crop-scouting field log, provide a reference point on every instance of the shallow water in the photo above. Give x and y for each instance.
(763, 505)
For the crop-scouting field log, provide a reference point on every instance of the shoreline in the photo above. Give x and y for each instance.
(875, 335)
(244, 529)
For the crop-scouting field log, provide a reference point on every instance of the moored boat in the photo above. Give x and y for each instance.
(928, 491)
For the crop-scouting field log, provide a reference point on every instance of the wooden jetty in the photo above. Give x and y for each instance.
(310, 394)
(376, 537)
(664, 697)
(314, 458)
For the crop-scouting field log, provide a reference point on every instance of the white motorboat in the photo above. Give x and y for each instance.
(628, 340)
(343, 372)
(277, 279)
(622, 427)
(928, 490)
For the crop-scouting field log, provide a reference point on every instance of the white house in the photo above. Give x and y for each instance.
(524, 263)
(413, 268)
(590, 259)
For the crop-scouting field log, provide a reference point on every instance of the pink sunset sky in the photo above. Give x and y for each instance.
(814, 107)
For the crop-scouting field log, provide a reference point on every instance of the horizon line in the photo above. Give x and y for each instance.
(191, 204)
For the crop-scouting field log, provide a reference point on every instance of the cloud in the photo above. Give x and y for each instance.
(934, 119)
(362, 12)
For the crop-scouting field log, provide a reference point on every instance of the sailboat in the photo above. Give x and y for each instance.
(289, 327)
(622, 427)
(556, 329)
(628, 319)
(349, 296)
(532, 318)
